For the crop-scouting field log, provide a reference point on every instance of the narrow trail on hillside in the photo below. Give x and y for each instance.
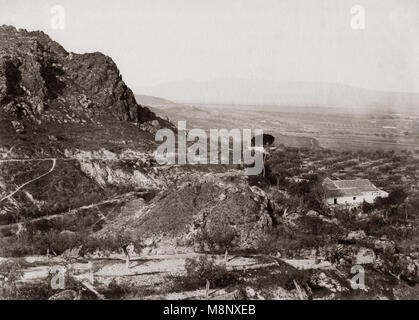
(54, 162)
(75, 210)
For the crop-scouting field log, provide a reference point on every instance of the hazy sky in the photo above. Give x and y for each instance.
(156, 41)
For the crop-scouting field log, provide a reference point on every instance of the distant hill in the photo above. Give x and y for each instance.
(285, 93)
(153, 101)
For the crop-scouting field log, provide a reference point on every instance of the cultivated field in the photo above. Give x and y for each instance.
(332, 127)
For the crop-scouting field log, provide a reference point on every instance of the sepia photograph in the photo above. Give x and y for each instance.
(216, 152)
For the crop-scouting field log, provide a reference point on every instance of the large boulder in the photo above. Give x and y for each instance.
(356, 235)
(321, 280)
(365, 256)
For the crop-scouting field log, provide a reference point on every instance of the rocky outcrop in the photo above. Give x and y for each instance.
(201, 211)
(321, 280)
(41, 81)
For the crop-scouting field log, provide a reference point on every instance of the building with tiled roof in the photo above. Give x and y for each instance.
(351, 192)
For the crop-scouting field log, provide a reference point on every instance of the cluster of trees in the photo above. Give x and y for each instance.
(286, 163)
(398, 205)
(281, 167)
(310, 191)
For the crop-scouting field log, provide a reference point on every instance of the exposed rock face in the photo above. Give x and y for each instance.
(200, 211)
(356, 235)
(323, 281)
(365, 256)
(40, 80)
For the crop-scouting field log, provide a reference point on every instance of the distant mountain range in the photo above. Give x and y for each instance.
(284, 93)
(154, 101)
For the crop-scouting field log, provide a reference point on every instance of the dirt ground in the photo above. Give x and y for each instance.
(144, 270)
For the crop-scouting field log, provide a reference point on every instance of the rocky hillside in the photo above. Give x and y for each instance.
(40, 80)
(49, 92)
(199, 210)
(71, 132)
(78, 180)
(75, 146)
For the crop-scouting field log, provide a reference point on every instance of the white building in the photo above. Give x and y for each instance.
(351, 192)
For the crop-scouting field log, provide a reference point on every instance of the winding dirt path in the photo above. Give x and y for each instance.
(54, 162)
(116, 199)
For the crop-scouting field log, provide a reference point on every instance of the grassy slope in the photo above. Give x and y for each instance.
(51, 138)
